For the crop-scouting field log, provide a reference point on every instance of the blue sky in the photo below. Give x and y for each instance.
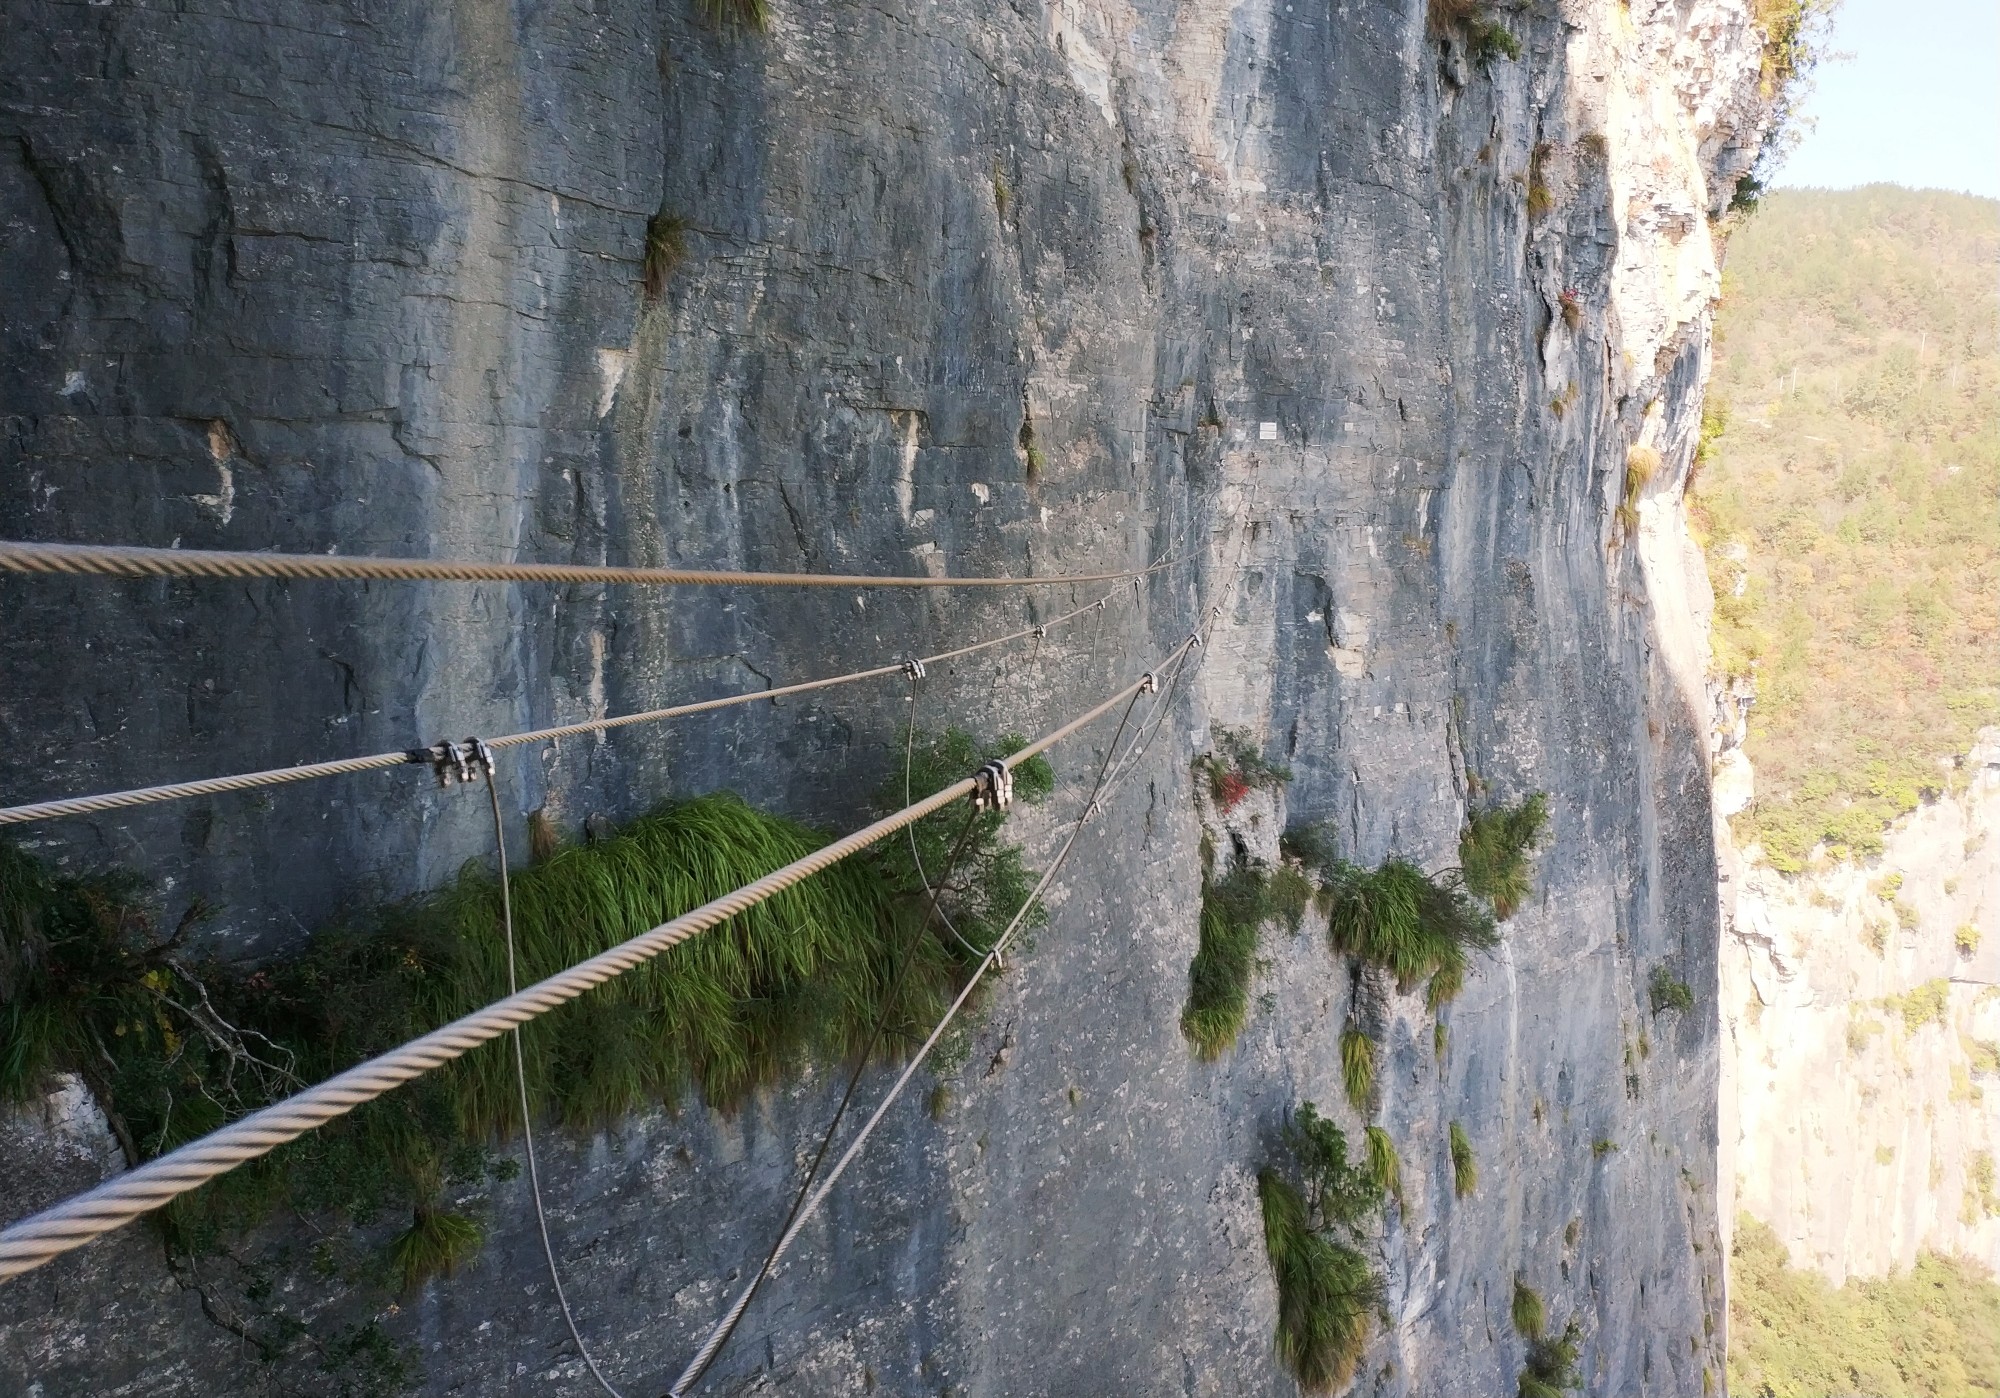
(1915, 102)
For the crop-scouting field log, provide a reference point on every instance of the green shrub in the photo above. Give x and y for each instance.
(1493, 852)
(1464, 1167)
(1931, 1332)
(1401, 919)
(1233, 910)
(1357, 1068)
(1236, 768)
(1328, 1293)
(1551, 1368)
(1966, 939)
(1669, 992)
(734, 14)
(1928, 1003)
(1529, 1317)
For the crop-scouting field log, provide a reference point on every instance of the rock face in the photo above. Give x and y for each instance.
(1861, 1009)
(1355, 329)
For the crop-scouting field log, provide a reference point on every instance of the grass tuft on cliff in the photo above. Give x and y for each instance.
(1464, 1165)
(1846, 507)
(1314, 1206)
(1932, 1332)
(1407, 922)
(1551, 1368)
(1493, 852)
(1530, 1318)
(1233, 911)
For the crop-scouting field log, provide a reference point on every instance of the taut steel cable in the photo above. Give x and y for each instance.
(124, 561)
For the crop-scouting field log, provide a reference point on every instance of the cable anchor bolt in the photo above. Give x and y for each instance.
(913, 669)
(1149, 683)
(992, 787)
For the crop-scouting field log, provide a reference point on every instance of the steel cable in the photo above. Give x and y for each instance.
(122, 561)
(212, 786)
(29, 1242)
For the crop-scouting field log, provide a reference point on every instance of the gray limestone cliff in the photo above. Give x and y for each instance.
(969, 289)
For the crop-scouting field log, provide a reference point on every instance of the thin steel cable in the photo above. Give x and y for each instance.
(728, 1328)
(175, 791)
(916, 858)
(713, 1343)
(521, 1080)
(125, 561)
(29, 1242)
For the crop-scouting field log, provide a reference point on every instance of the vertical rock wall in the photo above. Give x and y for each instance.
(1861, 1018)
(1354, 327)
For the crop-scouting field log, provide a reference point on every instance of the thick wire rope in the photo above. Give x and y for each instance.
(726, 1326)
(721, 1336)
(916, 857)
(521, 1080)
(28, 1243)
(175, 791)
(125, 561)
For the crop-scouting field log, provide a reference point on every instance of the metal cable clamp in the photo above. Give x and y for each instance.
(992, 787)
(455, 762)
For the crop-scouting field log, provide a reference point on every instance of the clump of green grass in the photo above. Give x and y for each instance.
(1234, 909)
(1669, 992)
(1551, 1368)
(751, 15)
(666, 249)
(1529, 1316)
(1357, 1069)
(1413, 925)
(1328, 1293)
(1292, 890)
(1602, 1147)
(435, 1244)
(1385, 1166)
(1966, 939)
(1464, 1166)
(1493, 852)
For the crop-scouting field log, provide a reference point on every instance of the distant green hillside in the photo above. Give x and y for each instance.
(1850, 506)
(1933, 1332)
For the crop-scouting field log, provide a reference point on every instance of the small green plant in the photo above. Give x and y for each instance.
(666, 249)
(1440, 1040)
(1982, 1056)
(1669, 992)
(1907, 917)
(1413, 925)
(1602, 1147)
(1464, 1166)
(434, 1245)
(1540, 200)
(1292, 891)
(1966, 939)
(1551, 1368)
(1233, 912)
(1385, 1166)
(1875, 933)
(1529, 1317)
(1357, 1068)
(1328, 1293)
(1493, 852)
(1003, 193)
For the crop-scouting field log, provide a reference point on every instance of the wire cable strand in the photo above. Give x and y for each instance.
(29, 1242)
(521, 1078)
(126, 561)
(712, 1345)
(176, 791)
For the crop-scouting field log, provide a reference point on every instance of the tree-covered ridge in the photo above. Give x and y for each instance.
(1850, 504)
(1933, 1332)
